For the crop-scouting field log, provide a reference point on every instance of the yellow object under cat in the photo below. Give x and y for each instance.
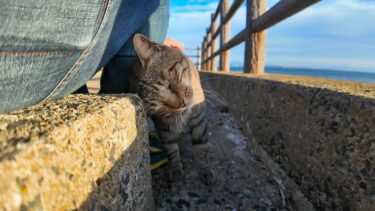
(157, 153)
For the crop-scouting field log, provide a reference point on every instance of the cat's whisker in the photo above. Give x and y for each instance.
(180, 123)
(183, 122)
(210, 103)
(212, 95)
(214, 99)
(177, 123)
(210, 91)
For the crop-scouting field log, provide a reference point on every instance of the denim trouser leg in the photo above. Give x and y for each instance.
(50, 48)
(115, 72)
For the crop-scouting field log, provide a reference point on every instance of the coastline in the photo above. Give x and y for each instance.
(359, 76)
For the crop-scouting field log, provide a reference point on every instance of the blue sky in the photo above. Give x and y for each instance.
(332, 34)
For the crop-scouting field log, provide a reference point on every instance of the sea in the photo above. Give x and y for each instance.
(319, 73)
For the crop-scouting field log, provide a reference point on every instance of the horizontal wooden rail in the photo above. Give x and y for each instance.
(197, 57)
(214, 36)
(233, 9)
(236, 5)
(217, 12)
(212, 56)
(240, 37)
(191, 49)
(281, 11)
(258, 19)
(214, 17)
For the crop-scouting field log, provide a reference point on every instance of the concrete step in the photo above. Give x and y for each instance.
(84, 152)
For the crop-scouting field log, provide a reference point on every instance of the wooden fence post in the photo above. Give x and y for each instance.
(213, 43)
(209, 34)
(202, 56)
(205, 53)
(255, 42)
(198, 58)
(224, 36)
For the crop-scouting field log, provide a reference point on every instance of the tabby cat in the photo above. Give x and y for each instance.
(169, 85)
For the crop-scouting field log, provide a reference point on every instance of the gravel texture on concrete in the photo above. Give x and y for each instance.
(85, 152)
(244, 182)
(321, 132)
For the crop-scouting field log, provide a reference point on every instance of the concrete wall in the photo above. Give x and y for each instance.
(82, 152)
(321, 132)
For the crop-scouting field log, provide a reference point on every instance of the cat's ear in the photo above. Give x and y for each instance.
(143, 47)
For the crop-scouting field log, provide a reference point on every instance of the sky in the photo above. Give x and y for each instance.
(332, 34)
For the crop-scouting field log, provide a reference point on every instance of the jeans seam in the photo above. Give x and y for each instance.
(35, 53)
(100, 16)
(73, 69)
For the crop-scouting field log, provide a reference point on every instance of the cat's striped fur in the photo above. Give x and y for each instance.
(169, 85)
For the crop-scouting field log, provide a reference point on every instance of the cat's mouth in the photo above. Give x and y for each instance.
(177, 108)
(175, 103)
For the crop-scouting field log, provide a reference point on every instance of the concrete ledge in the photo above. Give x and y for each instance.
(320, 131)
(84, 152)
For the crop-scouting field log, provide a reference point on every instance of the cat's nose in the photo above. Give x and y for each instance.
(174, 102)
(183, 103)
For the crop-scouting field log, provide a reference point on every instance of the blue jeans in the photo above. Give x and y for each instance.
(49, 49)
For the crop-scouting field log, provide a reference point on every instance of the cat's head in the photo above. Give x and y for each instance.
(168, 81)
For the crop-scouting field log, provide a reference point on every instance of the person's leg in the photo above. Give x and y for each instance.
(51, 48)
(115, 72)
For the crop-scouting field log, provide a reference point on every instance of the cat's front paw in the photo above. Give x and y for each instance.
(207, 176)
(175, 173)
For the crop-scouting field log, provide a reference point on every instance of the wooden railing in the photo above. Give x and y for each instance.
(197, 56)
(258, 19)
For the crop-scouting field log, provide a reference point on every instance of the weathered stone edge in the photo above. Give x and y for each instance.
(58, 169)
(361, 89)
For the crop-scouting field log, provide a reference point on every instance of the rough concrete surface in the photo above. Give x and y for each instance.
(321, 132)
(243, 180)
(83, 152)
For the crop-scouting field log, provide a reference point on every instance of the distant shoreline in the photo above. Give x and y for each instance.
(321, 73)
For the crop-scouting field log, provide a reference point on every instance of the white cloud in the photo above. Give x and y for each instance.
(331, 34)
(188, 23)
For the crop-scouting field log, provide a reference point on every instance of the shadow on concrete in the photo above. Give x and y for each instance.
(127, 185)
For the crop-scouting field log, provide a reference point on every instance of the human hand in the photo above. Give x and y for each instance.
(174, 44)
